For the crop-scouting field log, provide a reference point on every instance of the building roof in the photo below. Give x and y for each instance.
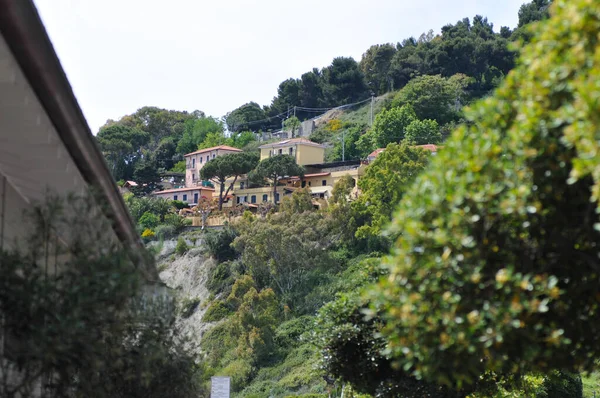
(376, 152)
(184, 189)
(215, 148)
(131, 183)
(429, 147)
(310, 175)
(52, 124)
(293, 141)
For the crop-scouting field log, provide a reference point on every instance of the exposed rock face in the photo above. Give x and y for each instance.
(187, 276)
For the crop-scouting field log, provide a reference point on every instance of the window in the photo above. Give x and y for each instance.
(196, 198)
(309, 183)
(200, 159)
(265, 198)
(270, 153)
(174, 197)
(276, 196)
(291, 151)
(281, 151)
(253, 199)
(214, 155)
(193, 177)
(238, 200)
(324, 182)
(193, 163)
(184, 197)
(353, 183)
(242, 185)
(303, 184)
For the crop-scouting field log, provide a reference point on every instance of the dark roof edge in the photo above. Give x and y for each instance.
(24, 32)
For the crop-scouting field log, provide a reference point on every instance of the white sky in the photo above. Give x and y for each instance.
(215, 55)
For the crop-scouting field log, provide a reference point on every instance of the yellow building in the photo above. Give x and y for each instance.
(303, 150)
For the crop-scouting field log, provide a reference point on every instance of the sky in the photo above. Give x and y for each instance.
(215, 55)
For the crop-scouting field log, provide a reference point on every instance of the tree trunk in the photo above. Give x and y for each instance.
(221, 194)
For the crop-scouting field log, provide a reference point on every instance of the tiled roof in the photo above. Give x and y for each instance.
(376, 152)
(215, 148)
(185, 189)
(429, 147)
(311, 175)
(302, 141)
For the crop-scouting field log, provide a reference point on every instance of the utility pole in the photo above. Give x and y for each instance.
(294, 110)
(343, 145)
(372, 100)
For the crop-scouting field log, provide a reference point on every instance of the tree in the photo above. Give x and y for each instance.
(390, 125)
(121, 146)
(276, 167)
(384, 184)
(536, 10)
(195, 132)
(215, 139)
(375, 65)
(292, 124)
(299, 202)
(421, 132)
(245, 118)
(498, 251)
(204, 208)
(222, 168)
(349, 139)
(146, 175)
(343, 82)
(240, 140)
(434, 97)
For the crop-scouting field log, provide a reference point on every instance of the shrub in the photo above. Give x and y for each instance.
(165, 231)
(218, 243)
(499, 246)
(560, 384)
(219, 277)
(149, 220)
(147, 235)
(178, 204)
(181, 248)
(217, 311)
(188, 306)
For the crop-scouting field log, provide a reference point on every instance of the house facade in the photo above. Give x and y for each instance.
(189, 195)
(196, 160)
(303, 150)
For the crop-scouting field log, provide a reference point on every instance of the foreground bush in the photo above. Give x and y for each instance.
(498, 263)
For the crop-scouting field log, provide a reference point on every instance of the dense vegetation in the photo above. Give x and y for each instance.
(490, 287)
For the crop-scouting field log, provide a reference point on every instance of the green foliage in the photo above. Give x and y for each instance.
(375, 64)
(178, 167)
(121, 146)
(349, 137)
(149, 220)
(217, 311)
(188, 306)
(276, 167)
(223, 168)
(434, 97)
(559, 384)
(292, 124)
(165, 231)
(53, 322)
(181, 248)
(421, 132)
(245, 117)
(218, 243)
(178, 204)
(389, 127)
(383, 185)
(196, 132)
(498, 246)
(213, 139)
(282, 251)
(298, 202)
(220, 277)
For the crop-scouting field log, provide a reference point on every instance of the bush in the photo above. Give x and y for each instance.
(219, 278)
(562, 385)
(181, 248)
(178, 204)
(499, 246)
(149, 220)
(147, 235)
(165, 231)
(218, 243)
(188, 306)
(217, 311)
